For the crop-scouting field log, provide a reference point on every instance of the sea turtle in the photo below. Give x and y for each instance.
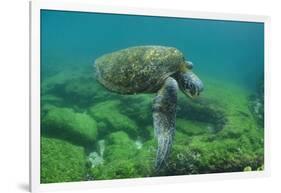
(151, 69)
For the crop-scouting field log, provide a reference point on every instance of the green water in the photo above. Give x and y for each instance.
(90, 133)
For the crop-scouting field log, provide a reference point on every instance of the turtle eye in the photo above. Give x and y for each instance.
(189, 86)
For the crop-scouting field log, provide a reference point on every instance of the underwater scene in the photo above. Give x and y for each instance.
(130, 96)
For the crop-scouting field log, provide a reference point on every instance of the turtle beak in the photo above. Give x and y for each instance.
(189, 95)
(194, 88)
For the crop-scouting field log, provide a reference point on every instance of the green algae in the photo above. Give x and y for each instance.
(216, 132)
(119, 146)
(118, 158)
(145, 159)
(61, 161)
(108, 116)
(67, 124)
(191, 128)
(115, 170)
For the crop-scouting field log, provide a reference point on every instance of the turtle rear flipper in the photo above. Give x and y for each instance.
(164, 118)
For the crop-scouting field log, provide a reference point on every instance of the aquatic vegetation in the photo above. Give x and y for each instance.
(191, 128)
(213, 135)
(80, 91)
(138, 107)
(182, 161)
(65, 123)
(51, 99)
(261, 168)
(216, 135)
(115, 170)
(256, 103)
(54, 82)
(95, 158)
(226, 155)
(204, 111)
(118, 158)
(107, 115)
(145, 159)
(119, 146)
(61, 161)
(247, 169)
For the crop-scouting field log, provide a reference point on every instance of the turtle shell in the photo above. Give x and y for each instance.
(141, 69)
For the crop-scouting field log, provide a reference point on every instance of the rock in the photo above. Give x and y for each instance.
(182, 161)
(193, 127)
(109, 118)
(81, 91)
(247, 169)
(119, 147)
(119, 157)
(64, 123)
(145, 158)
(115, 170)
(54, 83)
(261, 168)
(138, 107)
(51, 99)
(61, 161)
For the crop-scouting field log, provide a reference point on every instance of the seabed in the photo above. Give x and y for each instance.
(89, 133)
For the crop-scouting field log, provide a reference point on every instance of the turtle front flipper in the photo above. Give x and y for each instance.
(164, 118)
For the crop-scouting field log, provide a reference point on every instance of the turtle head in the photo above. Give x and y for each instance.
(190, 84)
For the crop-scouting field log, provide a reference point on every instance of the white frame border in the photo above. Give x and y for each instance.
(86, 6)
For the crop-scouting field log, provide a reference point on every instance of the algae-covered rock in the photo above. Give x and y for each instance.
(193, 127)
(115, 170)
(261, 168)
(77, 89)
(247, 169)
(56, 82)
(123, 158)
(81, 90)
(256, 103)
(226, 155)
(257, 108)
(61, 161)
(110, 119)
(182, 161)
(204, 111)
(48, 102)
(138, 107)
(119, 157)
(64, 123)
(216, 133)
(145, 158)
(119, 147)
(51, 99)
